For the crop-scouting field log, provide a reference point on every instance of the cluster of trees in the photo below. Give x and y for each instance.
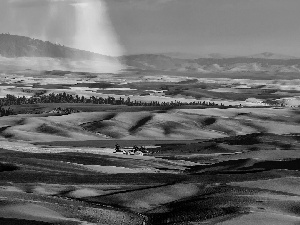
(64, 111)
(68, 98)
(6, 111)
(274, 103)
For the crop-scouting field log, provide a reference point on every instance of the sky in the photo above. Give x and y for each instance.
(116, 27)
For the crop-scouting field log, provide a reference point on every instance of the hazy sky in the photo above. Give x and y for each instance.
(237, 27)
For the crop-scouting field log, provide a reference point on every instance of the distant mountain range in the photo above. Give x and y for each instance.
(13, 46)
(214, 65)
(270, 55)
(179, 55)
(264, 55)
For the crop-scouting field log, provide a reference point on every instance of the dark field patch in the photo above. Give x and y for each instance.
(2, 129)
(8, 167)
(113, 134)
(45, 128)
(111, 143)
(249, 139)
(96, 178)
(52, 86)
(95, 85)
(247, 166)
(139, 124)
(170, 127)
(55, 72)
(96, 126)
(208, 121)
(99, 126)
(11, 221)
(109, 116)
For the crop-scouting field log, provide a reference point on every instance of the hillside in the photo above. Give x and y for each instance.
(12, 46)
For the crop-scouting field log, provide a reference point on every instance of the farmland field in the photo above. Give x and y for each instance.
(231, 159)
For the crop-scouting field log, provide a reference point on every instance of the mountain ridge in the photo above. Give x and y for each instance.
(13, 46)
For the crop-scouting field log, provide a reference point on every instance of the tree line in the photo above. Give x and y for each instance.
(68, 98)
